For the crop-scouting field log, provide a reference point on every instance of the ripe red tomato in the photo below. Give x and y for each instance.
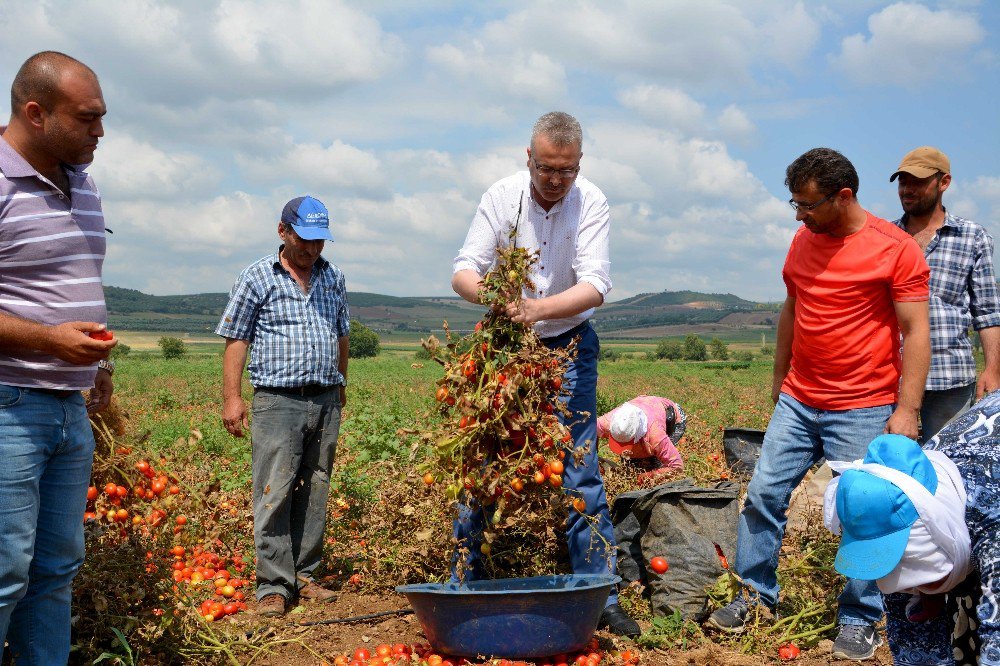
(102, 335)
(181, 520)
(111, 489)
(442, 394)
(383, 650)
(428, 479)
(580, 504)
(91, 494)
(361, 654)
(556, 467)
(659, 565)
(556, 383)
(788, 651)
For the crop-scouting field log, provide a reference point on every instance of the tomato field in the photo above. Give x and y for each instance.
(171, 579)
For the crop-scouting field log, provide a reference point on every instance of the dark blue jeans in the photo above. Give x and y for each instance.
(797, 437)
(587, 552)
(46, 453)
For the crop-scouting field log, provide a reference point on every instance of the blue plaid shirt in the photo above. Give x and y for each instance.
(293, 336)
(963, 293)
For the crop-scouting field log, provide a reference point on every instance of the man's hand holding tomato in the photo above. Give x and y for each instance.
(73, 342)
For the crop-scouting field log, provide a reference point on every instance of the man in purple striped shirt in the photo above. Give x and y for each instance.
(51, 300)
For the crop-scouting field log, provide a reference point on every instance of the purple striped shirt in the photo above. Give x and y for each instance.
(51, 254)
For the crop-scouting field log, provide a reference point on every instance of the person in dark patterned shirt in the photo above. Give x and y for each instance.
(290, 311)
(963, 289)
(929, 537)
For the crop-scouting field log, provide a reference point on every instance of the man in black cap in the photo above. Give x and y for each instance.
(290, 311)
(963, 289)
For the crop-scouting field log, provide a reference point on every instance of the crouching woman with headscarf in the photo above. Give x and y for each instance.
(925, 525)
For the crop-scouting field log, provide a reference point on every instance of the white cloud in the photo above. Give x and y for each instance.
(910, 46)
(336, 167)
(523, 74)
(735, 124)
(129, 169)
(670, 108)
(176, 54)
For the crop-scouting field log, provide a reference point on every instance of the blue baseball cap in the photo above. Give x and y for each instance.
(308, 217)
(875, 515)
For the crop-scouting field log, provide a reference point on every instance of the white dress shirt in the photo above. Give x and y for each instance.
(572, 240)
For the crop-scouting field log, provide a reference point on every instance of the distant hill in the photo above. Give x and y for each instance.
(133, 310)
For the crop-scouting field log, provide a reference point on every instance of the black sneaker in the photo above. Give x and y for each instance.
(618, 622)
(731, 619)
(856, 641)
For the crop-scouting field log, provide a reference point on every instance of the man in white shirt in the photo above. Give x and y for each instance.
(565, 218)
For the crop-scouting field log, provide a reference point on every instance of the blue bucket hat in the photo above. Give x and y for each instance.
(875, 515)
(308, 217)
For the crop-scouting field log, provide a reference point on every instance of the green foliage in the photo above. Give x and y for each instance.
(670, 631)
(743, 355)
(694, 348)
(363, 340)
(120, 350)
(672, 350)
(767, 351)
(719, 349)
(126, 657)
(422, 354)
(171, 347)
(609, 354)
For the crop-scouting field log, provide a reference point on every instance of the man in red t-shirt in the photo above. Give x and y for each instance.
(855, 284)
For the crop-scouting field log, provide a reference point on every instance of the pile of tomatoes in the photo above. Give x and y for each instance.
(399, 654)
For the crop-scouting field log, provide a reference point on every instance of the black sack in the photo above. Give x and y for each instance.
(742, 448)
(682, 523)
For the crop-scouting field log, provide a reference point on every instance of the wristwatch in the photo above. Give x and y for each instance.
(107, 365)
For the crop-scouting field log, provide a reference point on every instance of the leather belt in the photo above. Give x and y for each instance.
(307, 391)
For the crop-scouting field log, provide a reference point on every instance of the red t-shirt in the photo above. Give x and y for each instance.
(846, 347)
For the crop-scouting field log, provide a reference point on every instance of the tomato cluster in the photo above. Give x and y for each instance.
(111, 504)
(400, 654)
(206, 571)
(500, 441)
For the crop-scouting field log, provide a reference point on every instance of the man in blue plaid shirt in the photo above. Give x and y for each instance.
(963, 289)
(289, 310)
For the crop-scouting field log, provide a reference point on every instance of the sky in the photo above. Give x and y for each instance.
(399, 115)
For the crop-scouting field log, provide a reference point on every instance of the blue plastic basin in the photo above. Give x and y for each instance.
(513, 618)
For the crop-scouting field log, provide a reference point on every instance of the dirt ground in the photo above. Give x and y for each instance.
(312, 645)
(316, 644)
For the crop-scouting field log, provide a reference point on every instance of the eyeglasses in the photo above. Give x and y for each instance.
(799, 207)
(548, 172)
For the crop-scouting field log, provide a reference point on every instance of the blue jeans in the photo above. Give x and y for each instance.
(796, 438)
(294, 443)
(939, 407)
(587, 553)
(46, 453)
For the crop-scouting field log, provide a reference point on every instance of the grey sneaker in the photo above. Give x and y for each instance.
(856, 641)
(731, 619)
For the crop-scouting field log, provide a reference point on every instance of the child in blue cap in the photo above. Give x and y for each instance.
(925, 525)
